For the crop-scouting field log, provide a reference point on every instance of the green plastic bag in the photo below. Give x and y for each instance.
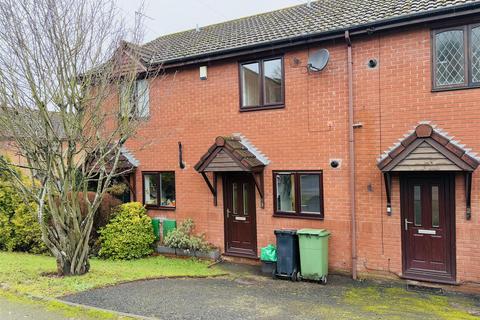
(268, 253)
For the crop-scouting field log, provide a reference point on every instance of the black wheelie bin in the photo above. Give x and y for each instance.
(288, 257)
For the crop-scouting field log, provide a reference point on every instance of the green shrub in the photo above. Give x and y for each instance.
(26, 235)
(128, 235)
(183, 238)
(101, 219)
(5, 230)
(9, 199)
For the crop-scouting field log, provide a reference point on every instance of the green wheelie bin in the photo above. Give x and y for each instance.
(168, 225)
(156, 222)
(314, 254)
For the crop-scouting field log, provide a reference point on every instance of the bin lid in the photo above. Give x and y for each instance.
(314, 232)
(285, 231)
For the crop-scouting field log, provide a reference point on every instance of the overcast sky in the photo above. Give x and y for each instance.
(168, 16)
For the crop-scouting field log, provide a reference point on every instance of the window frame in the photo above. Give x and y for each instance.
(134, 114)
(262, 105)
(159, 191)
(298, 211)
(468, 67)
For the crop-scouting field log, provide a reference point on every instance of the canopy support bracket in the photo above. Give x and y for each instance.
(258, 178)
(387, 176)
(468, 195)
(212, 186)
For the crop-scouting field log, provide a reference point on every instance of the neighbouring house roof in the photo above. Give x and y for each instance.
(232, 154)
(55, 118)
(287, 25)
(428, 148)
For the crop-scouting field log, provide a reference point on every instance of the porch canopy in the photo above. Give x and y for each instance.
(127, 163)
(126, 167)
(428, 149)
(232, 154)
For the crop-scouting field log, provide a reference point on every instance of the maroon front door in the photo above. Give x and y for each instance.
(428, 227)
(240, 215)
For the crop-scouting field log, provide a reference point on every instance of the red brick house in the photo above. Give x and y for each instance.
(244, 136)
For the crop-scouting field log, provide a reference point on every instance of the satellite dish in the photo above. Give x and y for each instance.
(318, 60)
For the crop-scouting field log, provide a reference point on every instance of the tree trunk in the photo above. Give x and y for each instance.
(72, 267)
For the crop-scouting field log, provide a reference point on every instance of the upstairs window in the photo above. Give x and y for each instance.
(159, 190)
(298, 193)
(456, 57)
(262, 84)
(134, 99)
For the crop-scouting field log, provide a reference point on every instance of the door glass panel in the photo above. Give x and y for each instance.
(285, 193)
(235, 198)
(245, 199)
(417, 205)
(310, 193)
(435, 207)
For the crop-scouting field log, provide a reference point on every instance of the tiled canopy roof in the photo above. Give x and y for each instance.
(437, 140)
(126, 161)
(316, 18)
(241, 155)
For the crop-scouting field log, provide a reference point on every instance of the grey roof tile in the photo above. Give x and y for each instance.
(321, 16)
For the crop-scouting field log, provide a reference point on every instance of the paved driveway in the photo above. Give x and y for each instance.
(252, 297)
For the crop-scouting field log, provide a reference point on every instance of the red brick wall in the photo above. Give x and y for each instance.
(389, 101)
(311, 130)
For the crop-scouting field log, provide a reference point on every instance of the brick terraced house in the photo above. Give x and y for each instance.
(248, 131)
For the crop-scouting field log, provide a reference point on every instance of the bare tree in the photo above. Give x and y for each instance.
(62, 66)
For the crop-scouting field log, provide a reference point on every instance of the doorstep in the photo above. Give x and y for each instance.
(467, 288)
(241, 260)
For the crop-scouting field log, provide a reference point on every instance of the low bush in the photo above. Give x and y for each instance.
(5, 230)
(128, 235)
(26, 235)
(183, 238)
(101, 219)
(9, 199)
(19, 229)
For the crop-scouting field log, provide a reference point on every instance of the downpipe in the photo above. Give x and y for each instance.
(351, 156)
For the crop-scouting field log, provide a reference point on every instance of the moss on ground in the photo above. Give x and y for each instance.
(397, 303)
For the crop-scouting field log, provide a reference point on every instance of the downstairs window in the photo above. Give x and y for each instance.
(159, 190)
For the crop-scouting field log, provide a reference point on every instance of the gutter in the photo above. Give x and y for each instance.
(367, 28)
(351, 155)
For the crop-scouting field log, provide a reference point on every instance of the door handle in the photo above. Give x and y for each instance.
(407, 223)
(228, 213)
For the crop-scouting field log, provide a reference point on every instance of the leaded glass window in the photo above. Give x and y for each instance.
(475, 47)
(450, 58)
(456, 57)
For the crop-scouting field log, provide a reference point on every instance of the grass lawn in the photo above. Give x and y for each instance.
(24, 273)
